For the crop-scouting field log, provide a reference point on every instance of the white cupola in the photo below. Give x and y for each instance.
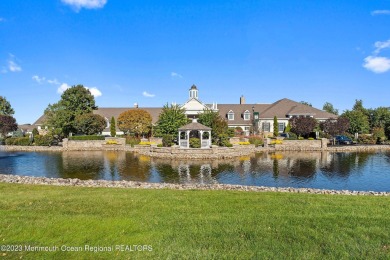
(193, 92)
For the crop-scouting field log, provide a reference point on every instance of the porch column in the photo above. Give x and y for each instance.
(209, 137)
(179, 143)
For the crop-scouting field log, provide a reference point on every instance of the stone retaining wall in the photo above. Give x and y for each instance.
(145, 185)
(195, 153)
(93, 145)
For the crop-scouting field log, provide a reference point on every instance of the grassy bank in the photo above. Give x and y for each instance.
(192, 224)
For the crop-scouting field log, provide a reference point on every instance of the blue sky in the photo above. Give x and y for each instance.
(151, 52)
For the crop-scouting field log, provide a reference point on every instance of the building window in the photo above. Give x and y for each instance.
(247, 115)
(281, 126)
(266, 126)
(231, 115)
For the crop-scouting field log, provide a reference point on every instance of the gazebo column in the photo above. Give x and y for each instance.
(188, 138)
(179, 139)
(209, 137)
(201, 138)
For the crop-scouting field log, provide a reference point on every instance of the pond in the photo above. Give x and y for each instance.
(322, 170)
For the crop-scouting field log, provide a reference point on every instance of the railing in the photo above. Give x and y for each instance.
(205, 144)
(183, 143)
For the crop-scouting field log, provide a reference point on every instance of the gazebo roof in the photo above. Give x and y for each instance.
(195, 126)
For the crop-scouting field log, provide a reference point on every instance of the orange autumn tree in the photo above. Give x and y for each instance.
(137, 122)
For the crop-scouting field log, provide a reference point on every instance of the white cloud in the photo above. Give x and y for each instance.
(88, 4)
(62, 88)
(174, 74)
(377, 64)
(12, 65)
(380, 12)
(95, 92)
(53, 81)
(42, 80)
(39, 79)
(146, 94)
(381, 45)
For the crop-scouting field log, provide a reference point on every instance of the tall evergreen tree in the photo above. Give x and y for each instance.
(112, 127)
(276, 126)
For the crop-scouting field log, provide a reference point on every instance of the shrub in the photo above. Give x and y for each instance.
(22, 141)
(167, 140)
(300, 138)
(159, 145)
(244, 143)
(146, 143)
(229, 145)
(194, 142)
(111, 142)
(378, 133)
(292, 136)
(276, 141)
(2, 141)
(131, 140)
(43, 140)
(223, 140)
(310, 138)
(35, 132)
(256, 140)
(87, 137)
(366, 139)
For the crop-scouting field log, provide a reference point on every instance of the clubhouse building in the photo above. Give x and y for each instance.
(260, 117)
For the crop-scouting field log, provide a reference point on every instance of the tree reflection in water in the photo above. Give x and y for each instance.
(342, 165)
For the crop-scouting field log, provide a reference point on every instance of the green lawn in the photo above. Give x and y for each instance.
(193, 224)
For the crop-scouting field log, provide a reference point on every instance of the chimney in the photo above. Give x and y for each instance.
(242, 100)
(135, 105)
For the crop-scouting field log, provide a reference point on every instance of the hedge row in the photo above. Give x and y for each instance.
(39, 140)
(87, 137)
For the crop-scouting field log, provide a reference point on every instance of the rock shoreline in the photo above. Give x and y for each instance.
(145, 185)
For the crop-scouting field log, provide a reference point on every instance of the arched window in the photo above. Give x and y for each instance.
(231, 115)
(247, 115)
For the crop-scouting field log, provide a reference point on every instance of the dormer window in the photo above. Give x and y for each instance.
(231, 115)
(247, 115)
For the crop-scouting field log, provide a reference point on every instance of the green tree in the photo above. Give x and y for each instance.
(288, 128)
(219, 126)
(306, 103)
(75, 101)
(89, 124)
(358, 121)
(5, 107)
(137, 121)
(276, 126)
(328, 107)
(358, 106)
(7, 124)
(171, 119)
(112, 127)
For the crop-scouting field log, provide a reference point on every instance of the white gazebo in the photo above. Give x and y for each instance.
(193, 129)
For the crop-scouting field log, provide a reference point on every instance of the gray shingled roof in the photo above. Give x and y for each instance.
(281, 109)
(194, 126)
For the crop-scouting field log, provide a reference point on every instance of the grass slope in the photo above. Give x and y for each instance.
(193, 224)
